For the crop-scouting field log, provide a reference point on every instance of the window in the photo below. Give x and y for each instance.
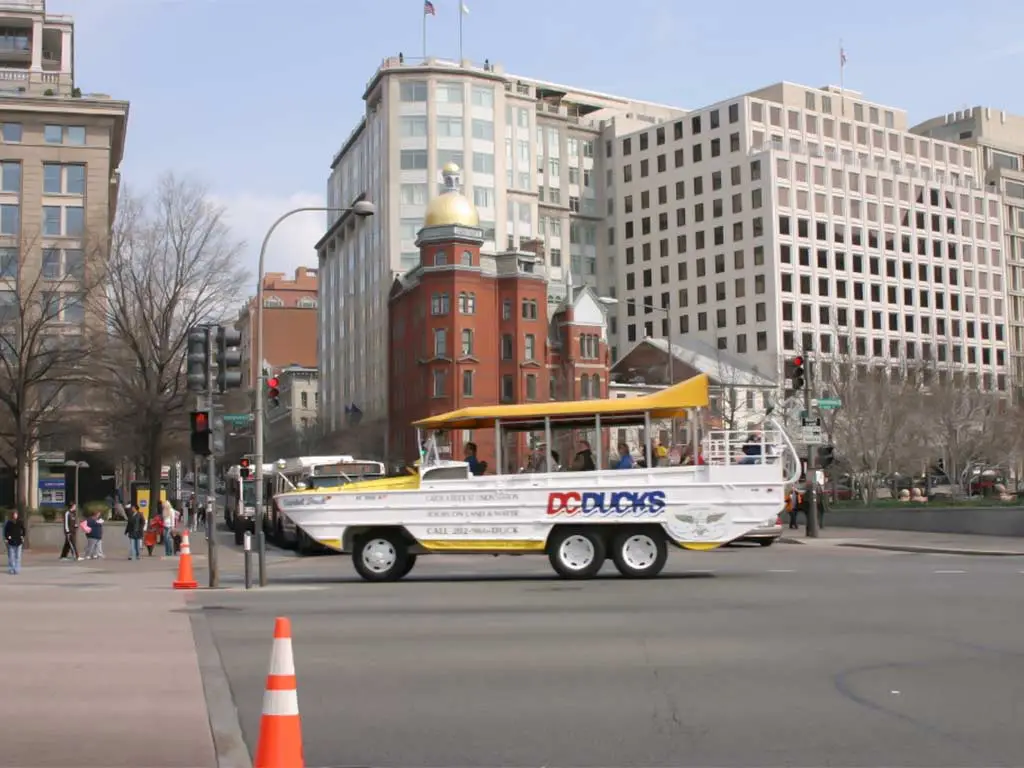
(507, 347)
(64, 134)
(531, 386)
(10, 175)
(483, 163)
(414, 194)
(59, 264)
(482, 97)
(413, 160)
(450, 93)
(529, 347)
(439, 304)
(414, 90)
(11, 133)
(9, 263)
(65, 179)
(467, 303)
(10, 219)
(439, 379)
(483, 129)
(73, 308)
(507, 388)
(412, 126)
(440, 342)
(529, 309)
(63, 221)
(467, 383)
(467, 342)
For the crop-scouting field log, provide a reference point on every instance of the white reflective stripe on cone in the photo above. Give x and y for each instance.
(281, 660)
(281, 703)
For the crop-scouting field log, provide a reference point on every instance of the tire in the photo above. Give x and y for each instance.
(409, 564)
(576, 553)
(381, 556)
(766, 542)
(639, 554)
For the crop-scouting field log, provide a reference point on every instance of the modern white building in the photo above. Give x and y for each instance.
(796, 219)
(533, 164)
(999, 139)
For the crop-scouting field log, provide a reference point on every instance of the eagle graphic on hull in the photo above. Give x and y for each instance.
(699, 525)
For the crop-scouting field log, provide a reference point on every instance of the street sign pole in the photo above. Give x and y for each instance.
(810, 489)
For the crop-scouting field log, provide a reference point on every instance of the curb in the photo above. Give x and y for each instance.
(228, 741)
(789, 540)
(926, 550)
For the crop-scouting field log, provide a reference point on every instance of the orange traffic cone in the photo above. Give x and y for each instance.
(280, 741)
(186, 579)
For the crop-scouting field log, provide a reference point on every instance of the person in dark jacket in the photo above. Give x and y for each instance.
(70, 551)
(134, 529)
(14, 536)
(94, 536)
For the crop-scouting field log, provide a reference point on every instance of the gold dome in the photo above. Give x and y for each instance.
(451, 209)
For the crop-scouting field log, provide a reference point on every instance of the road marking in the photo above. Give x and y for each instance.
(782, 570)
(949, 571)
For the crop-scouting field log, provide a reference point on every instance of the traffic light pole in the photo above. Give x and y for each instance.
(811, 487)
(211, 467)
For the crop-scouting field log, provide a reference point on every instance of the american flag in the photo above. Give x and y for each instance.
(842, 57)
(428, 8)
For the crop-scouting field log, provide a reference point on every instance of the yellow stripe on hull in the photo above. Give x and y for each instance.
(701, 546)
(334, 544)
(481, 545)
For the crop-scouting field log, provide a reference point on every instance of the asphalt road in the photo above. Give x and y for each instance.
(787, 656)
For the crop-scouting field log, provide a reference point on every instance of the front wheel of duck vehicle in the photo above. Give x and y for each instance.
(410, 563)
(381, 556)
(639, 554)
(576, 554)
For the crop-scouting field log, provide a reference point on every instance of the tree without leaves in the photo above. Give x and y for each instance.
(173, 265)
(46, 341)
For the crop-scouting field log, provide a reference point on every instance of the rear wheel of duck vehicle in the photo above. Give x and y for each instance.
(381, 556)
(576, 554)
(639, 554)
(409, 564)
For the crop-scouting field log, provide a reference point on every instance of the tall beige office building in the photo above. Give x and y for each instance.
(60, 150)
(999, 139)
(532, 164)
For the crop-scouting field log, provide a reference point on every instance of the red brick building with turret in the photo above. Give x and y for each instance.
(473, 330)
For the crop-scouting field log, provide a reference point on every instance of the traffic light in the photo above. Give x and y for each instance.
(794, 372)
(243, 468)
(229, 359)
(202, 433)
(273, 393)
(199, 359)
(826, 456)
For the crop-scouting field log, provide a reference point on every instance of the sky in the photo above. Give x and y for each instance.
(253, 98)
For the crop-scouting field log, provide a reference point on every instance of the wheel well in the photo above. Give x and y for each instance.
(355, 532)
(608, 531)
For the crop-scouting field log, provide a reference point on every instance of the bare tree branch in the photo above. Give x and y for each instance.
(173, 265)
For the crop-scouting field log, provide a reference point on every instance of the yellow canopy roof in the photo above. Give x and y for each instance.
(670, 403)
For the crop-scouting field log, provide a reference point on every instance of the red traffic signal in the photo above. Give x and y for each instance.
(243, 468)
(272, 382)
(798, 361)
(243, 463)
(201, 422)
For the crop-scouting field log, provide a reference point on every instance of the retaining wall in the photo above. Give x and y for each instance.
(983, 521)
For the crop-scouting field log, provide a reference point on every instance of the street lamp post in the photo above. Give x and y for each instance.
(78, 465)
(362, 209)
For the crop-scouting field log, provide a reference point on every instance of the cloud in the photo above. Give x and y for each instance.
(291, 245)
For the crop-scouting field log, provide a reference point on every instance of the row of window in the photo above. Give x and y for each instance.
(836, 261)
(58, 178)
(445, 92)
(445, 127)
(72, 135)
(58, 264)
(56, 306)
(912, 323)
(714, 122)
(304, 302)
(58, 220)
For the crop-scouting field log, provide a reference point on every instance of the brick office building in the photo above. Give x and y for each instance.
(470, 329)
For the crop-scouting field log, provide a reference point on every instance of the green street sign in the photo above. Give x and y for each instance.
(829, 403)
(237, 419)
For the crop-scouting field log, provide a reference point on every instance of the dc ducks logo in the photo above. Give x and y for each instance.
(606, 504)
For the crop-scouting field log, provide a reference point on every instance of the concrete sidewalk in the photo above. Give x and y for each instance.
(909, 541)
(102, 669)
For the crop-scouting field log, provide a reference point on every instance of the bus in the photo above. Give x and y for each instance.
(312, 472)
(240, 499)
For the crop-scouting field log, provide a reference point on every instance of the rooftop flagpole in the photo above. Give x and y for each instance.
(463, 11)
(428, 10)
(842, 72)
